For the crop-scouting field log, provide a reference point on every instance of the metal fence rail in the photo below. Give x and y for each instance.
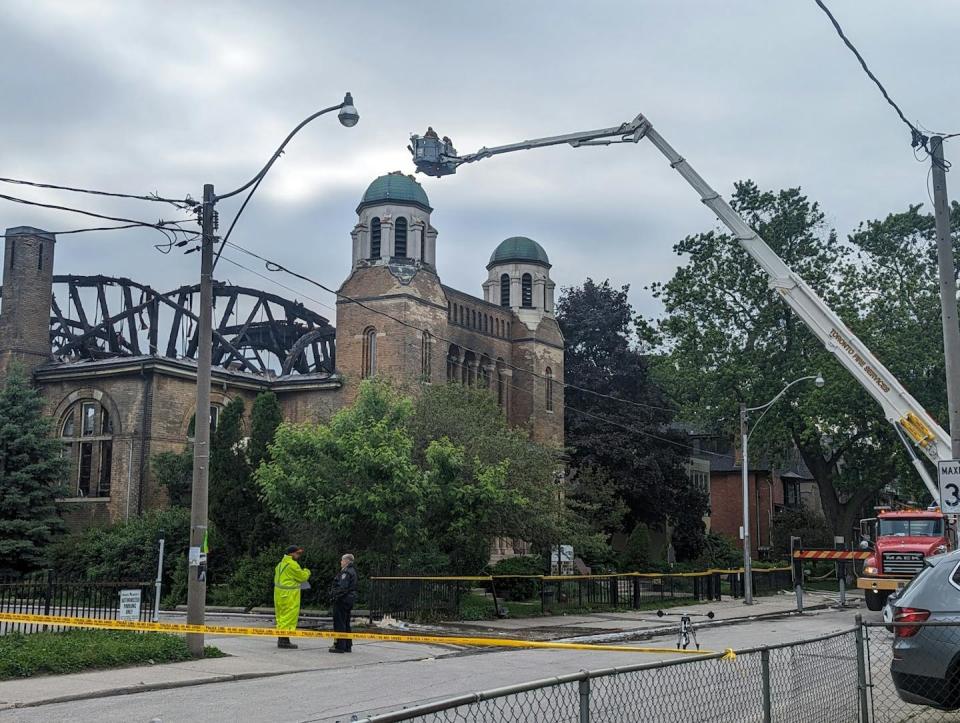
(442, 597)
(46, 593)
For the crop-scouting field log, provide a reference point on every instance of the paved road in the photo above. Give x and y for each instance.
(363, 686)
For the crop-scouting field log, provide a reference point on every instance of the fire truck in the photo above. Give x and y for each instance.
(900, 541)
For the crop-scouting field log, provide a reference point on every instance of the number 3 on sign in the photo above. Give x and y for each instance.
(949, 474)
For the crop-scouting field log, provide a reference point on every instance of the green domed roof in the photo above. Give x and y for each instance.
(395, 187)
(519, 248)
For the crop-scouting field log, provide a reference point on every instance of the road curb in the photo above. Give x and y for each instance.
(150, 687)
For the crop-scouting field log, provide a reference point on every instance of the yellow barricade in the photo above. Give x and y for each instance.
(138, 626)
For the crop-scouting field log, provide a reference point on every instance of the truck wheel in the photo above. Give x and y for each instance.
(876, 600)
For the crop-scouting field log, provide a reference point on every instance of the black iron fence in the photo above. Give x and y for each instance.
(46, 593)
(425, 598)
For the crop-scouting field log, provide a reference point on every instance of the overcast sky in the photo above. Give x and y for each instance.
(145, 96)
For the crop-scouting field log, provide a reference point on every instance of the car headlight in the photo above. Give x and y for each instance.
(940, 550)
(869, 570)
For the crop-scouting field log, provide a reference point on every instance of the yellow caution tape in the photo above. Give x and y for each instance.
(139, 626)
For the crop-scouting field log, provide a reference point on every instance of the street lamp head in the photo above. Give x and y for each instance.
(348, 113)
(819, 381)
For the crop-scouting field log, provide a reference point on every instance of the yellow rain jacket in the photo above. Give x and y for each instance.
(287, 578)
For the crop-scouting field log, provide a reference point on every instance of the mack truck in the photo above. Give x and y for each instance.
(897, 554)
(899, 540)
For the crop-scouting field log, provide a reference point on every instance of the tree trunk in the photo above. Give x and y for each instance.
(841, 517)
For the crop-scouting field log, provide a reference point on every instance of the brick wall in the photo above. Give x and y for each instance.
(726, 505)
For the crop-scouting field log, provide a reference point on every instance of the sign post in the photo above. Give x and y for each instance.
(948, 472)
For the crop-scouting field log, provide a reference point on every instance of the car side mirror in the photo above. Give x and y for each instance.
(866, 545)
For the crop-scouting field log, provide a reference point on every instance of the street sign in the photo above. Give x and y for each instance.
(129, 605)
(948, 471)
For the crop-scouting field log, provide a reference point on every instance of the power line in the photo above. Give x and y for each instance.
(276, 267)
(917, 139)
(278, 283)
(236, 218)
(160, 224)
(182, 204)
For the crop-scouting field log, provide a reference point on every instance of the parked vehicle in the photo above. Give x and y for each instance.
(900, 541)
(926, 659)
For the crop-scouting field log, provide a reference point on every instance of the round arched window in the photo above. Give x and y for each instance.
(86, 431)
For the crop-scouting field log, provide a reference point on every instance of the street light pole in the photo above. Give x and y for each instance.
(197, 570)
(747, 548)
(745, 433)
(948, 290)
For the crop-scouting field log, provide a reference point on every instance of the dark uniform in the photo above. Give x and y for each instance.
(343, 594)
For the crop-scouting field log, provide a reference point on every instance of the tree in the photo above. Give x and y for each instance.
(174, 471)
(726, 338)
(265, 417)
(470, 419)
(233, 497)
(624, 436)
(31, 470)
(381, 479)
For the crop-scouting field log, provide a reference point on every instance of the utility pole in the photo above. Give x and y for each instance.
(948, 290)
(197, 571)
(747, 552)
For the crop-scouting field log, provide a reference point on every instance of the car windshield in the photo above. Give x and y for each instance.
(905, 527)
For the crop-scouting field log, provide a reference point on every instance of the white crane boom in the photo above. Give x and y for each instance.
(899, 407)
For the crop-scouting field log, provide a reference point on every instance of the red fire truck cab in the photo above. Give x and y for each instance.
(900, 541)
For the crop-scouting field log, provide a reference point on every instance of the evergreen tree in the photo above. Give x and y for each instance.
(265, 417)
(233, 499)
(31, 470)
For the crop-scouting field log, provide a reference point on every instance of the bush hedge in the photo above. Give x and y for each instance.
(22, 656)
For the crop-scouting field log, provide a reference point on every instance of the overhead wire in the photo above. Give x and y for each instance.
(278, 283)
(277, 267)
(187, 202)
(918, 139)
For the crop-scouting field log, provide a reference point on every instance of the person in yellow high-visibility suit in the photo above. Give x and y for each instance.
(288, 580)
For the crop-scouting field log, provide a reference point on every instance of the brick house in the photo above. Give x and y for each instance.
(772, 488)
(121, 386)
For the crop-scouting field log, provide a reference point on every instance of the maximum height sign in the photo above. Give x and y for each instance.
(948, 471)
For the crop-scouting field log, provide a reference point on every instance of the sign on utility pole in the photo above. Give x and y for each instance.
(949, 474)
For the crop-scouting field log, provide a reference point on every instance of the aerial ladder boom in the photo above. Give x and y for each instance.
(438, 157)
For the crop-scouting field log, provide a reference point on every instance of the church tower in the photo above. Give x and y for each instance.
(27, 292)
(393, 297)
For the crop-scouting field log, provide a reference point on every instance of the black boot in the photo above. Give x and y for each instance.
(285, 644)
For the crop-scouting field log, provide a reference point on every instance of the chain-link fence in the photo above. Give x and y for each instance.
(913, 671)
(866, 675)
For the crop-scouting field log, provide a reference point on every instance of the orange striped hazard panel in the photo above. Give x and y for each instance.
(831, 554)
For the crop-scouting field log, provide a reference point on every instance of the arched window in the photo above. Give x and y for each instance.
(426, 350)
(369, 360)
(526, 291)
(453, 364)
(40, 258)
(86, 431)
(501, 384)
(473, 319)
(400, 238)
(375, 238)
(549, 375)
(505, 290)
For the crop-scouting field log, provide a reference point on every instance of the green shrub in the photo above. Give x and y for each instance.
(519, 588)
(636, 555)
(810, 527)
(719, 551)
(76, 650)
(251, 583)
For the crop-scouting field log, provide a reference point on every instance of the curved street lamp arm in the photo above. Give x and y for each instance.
(766, 407)
(279, 152)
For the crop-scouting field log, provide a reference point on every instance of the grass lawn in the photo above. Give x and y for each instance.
(74, 651)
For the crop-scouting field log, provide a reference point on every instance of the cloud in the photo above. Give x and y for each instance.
(142, 97)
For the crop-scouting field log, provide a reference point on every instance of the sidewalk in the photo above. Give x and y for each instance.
(259, 658)
(644, 623)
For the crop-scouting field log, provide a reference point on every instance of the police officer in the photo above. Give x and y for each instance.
(343, 595)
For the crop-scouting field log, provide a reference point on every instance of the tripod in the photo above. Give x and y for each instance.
(687, 632)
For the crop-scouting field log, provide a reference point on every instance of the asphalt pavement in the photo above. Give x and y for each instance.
(380, 677)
